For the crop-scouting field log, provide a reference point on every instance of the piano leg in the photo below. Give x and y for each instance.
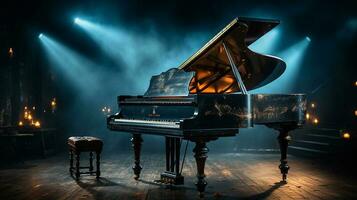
(97, 173)
(200, 152)
(71, 162)
(136, 141)
(283, 140)
(91, 162)
(77, 166)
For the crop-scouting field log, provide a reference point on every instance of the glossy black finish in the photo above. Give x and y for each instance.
(197, 102)
(156, 108)
(200, 152)
(196, 115)
(279, 108)
(283, 140)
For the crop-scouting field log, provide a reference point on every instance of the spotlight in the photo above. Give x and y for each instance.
(70, 64)
(76, 20)
(114, 42)
(308, 38)
(40, 35)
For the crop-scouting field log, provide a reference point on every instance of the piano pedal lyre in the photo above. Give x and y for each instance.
(172, 174)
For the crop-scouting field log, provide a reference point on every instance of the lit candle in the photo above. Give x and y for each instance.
(37, 124)
(316, 121)
(346, 135)
(307, 116)
(11, 52)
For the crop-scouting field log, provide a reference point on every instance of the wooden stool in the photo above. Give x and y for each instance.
(84, 144)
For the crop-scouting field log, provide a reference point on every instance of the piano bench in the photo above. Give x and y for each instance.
(80, 144)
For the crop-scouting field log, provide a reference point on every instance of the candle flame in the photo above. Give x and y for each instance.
(346, 135)
(37, 124)
(316, 121)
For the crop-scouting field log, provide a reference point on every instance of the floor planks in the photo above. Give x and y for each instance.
(229, 176)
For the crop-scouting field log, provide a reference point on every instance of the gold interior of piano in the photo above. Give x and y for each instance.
(213, 73)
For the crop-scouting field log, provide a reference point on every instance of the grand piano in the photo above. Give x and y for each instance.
(207, 97)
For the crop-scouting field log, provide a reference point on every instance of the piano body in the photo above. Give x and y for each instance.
(207, 97)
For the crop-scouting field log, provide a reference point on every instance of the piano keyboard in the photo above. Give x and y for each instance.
(152, 123)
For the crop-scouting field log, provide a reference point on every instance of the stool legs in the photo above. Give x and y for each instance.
(71, 162)
(77, 165)
(98, 164)
(91, 163)
(76, 169)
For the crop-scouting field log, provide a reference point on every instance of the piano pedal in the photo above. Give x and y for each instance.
(170, 178)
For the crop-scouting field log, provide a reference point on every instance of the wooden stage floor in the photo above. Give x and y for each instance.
(229, 176)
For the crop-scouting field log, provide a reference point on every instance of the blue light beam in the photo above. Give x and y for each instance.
(267, 43)
(75, 67)
(140, 54)
(121, 45)
(293, 56)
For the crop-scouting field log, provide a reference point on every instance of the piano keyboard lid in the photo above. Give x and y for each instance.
(213, 73)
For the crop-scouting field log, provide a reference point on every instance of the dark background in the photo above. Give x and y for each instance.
(181, 27)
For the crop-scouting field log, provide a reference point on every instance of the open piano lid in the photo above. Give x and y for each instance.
(213, 73)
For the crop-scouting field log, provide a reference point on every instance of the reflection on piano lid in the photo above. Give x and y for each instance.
(213, 69)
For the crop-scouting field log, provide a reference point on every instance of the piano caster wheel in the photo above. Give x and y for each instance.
(284, 168)
(137, 169)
